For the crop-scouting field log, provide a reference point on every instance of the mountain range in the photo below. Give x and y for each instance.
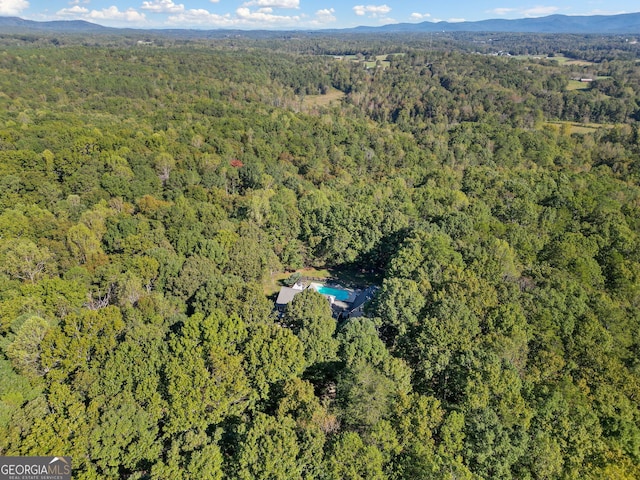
(595, 24)
(19, 25)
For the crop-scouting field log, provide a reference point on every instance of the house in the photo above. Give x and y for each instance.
(345, 302)
(357, 307)
(286, 296)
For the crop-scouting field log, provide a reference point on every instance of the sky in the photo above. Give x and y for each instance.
(296, 14)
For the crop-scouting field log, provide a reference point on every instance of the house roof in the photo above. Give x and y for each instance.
(364, 297)
(286, 295)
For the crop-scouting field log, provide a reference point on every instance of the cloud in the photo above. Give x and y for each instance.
(110, 14)
(273, 3)
(326, 15)
(604, 12)
(261, 16)
(371, 10)
(420, 16)
(502, 11)
(13, 7)
(203, 18)
(244, 17)
(456, 20)
(540, 11)
(73, 11)
(162, 6)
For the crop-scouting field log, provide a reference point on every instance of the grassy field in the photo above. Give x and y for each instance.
(273, 284)
(578, 85)
(580, 128)
(562, 60)
(383, 64)
(528, 57)
(330, 97)
(383, 59)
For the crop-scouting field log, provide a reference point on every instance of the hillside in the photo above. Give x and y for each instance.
(602, 24)
(150, 194)
(17, 25)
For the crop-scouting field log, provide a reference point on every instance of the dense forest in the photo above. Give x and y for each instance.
(150, 191)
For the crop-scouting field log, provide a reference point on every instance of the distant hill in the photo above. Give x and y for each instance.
(596, 24)
(19, 25)
(626, 23)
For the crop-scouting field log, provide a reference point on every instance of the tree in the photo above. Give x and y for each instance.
(195, 272)
(79, 344)
(309, 316)
(269, 450)
(359, 342)
(24, 351)
(235, 297)
(350, 459)
(128, 436)
(206, 381)
(427, 258)
(85, 246)
(164, 163)
(364, 396)
(272, 354)
(198, 457)
(131, 404)
(24, 260)
(398, 304)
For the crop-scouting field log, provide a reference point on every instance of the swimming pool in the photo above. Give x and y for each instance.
(339, 294)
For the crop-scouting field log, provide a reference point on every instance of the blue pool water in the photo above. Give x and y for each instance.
(341, 295)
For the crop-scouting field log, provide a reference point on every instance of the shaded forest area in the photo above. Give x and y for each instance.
(147, 194)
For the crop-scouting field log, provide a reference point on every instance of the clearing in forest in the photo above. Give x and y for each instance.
(333, 95)
(562, 60)
(581, 128)
(578, 85)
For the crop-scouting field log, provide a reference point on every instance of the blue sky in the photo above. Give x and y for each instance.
(288, 14)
